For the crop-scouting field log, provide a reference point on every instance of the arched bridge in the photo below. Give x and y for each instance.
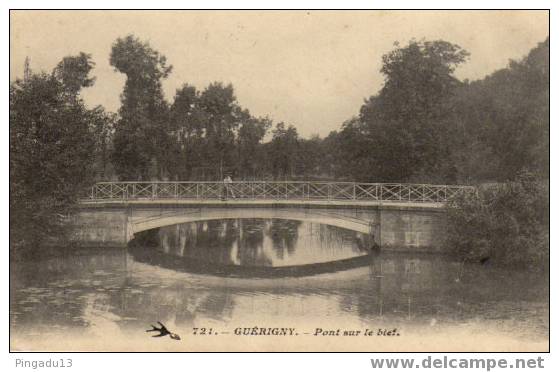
(399, 215)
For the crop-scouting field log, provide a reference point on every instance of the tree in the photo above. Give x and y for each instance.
(403, 121)
(73, 72)
(284, 151)
(353, 145)
(332, 156)
(187, 129)
(51, 151)
(221, 121)
(506, 115)
(102, 124)
(141, 135)
(251, 133)
(212, 134)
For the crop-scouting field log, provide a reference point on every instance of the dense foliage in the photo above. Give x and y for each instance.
(505, 223)
(424, 125)
(501, 123)
(213, 135)
(52, 150)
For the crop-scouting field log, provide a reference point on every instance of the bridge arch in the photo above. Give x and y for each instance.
(138, 224)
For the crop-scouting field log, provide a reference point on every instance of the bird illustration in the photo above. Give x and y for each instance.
(163, 331)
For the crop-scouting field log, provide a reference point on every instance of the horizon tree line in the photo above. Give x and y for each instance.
(424, 125)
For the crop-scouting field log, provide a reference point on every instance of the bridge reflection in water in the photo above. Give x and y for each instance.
(253, 247)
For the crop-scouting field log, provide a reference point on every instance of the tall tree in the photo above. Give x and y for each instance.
(141, 135)
(311, 157)
(249, 145)
(404, 119)
(102, 124)
(187, 130)
(353, 146)
(506, 115)
(212, 134)
(284, 151)
(221, 121)
(51, 149)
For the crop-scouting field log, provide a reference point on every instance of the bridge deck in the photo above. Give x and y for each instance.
(87, 203)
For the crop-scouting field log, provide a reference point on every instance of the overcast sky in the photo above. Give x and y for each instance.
(310, 69)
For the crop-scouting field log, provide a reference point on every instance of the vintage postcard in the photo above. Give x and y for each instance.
(302, 180)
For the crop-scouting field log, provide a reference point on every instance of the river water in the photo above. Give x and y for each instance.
(216, 282)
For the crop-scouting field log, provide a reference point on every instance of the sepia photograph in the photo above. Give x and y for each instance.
(279, 181)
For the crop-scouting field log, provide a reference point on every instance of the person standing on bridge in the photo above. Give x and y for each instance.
(227, 182)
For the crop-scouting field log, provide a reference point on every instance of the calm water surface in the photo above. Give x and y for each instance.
(95, 291)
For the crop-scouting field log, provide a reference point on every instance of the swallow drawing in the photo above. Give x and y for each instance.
(163, 331)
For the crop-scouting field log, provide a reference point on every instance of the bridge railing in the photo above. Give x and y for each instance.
(277, 190)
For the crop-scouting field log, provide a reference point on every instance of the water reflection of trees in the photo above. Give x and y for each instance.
(261, 242)
(231, 241)
(210, 241)
(405, 286)
(49, 295)
(250, 246)
(284, 235)
(175, 305)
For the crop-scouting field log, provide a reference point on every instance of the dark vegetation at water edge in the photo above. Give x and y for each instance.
(423, 125)
(503, 224)
(54, 140)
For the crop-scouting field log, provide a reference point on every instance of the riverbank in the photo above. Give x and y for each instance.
(505, 224)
